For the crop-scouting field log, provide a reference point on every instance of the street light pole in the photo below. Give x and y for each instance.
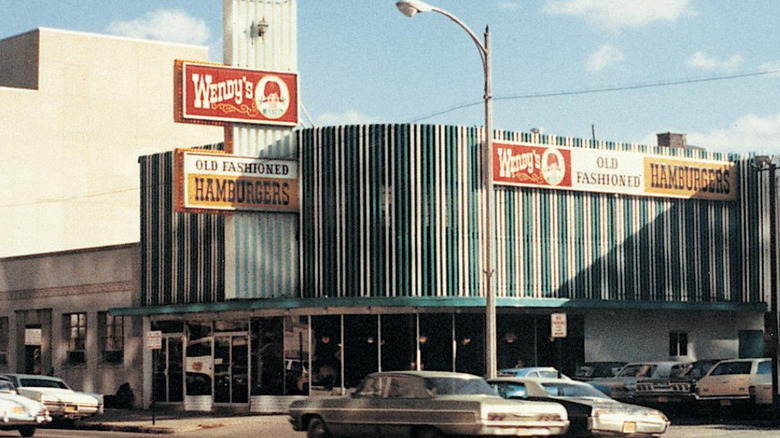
(768, 163)
(410, 8)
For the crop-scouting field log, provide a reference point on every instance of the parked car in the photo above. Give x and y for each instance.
(594, 370)
(675, 389)
(737, 381)
(424, 404)
(621, 387)
(62, 402)
(548, 372)
(590, 410)
(20, 413)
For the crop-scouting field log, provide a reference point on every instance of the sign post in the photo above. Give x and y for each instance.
(153, 341)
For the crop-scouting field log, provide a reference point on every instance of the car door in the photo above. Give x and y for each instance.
(357, 417)
(728, 379)
(402, 407)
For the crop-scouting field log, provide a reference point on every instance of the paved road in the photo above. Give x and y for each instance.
(278, 427)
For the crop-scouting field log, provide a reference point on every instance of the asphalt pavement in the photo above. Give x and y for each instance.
(180, 423)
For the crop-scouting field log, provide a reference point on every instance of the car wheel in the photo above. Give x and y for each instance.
(317, 429)
(26, 431)
(428, 432)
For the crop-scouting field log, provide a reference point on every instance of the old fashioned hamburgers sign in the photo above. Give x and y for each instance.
(218, 94)
(209, 181)
(609, 171)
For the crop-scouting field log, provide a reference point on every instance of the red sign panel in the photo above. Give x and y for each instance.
(519, 164)
(217, 94)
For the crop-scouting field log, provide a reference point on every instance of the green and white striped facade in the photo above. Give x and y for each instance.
(394, 211)
(390, 223)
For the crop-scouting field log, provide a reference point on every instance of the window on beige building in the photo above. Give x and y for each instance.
(76, 334)
(111, 329)
(3, 344)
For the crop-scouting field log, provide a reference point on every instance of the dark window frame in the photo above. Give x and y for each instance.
(75, 326)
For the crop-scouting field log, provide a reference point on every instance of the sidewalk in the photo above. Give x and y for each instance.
(164, 422)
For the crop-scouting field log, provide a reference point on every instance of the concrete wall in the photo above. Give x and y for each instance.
(89, 281)
(644, 336)
(70, 147)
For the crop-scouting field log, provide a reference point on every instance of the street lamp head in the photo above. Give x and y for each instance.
(410, 8)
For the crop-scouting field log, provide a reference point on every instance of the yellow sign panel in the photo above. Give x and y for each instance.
(210, 191)
(715, 181)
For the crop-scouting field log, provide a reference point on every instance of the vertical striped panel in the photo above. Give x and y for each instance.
(263, 260)
(182, 255)
(550, 244)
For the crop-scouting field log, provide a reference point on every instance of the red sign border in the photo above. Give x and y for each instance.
(179, 68)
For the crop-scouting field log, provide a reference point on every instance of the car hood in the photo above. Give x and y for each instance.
(57, 394)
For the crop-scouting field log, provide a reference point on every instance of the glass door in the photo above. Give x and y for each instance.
(168, 382)
(231, 368)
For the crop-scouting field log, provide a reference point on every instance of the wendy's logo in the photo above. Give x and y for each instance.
(272, 97)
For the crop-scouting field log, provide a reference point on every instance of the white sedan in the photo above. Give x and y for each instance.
(62, 402)
(20, 413)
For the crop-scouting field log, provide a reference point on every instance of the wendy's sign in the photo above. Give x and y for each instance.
(216, 94)
(611, 171)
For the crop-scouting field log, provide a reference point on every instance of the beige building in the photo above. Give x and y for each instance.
(78, 111)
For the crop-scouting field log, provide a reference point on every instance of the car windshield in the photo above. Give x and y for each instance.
(457, 386)
(42, 383)
(637, 370)
(697, 369)
(570, 390)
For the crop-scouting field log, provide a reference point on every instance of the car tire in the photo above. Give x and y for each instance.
(428, 432)
(316, 428)
(26, 431)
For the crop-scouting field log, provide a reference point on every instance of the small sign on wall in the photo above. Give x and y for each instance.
(153, 340)
(33, 336)
(558, 324)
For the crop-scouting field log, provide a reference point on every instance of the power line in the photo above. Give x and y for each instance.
(603, 90)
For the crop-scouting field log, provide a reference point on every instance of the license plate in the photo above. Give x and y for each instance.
(19, 410)
(725, 402)
(629, 427)
(71, 408)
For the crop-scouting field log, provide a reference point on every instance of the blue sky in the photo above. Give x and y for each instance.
(361, 61)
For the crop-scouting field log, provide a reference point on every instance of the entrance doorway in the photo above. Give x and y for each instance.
(231, 368)
(168, 361)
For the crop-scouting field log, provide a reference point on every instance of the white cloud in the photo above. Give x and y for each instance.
(173, 25)
(614, 14)
(772, 66)
(508, 5)
(604, 57)
(350, 117)
(706, 62)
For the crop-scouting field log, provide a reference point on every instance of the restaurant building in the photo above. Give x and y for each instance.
(386, 265)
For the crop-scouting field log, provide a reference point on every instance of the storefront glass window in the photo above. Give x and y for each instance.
(267, 356)
(200, 359)
(398, 342)
(470, 343)
(360, 348)
(436, 342)
(296, 355)
(326, 359)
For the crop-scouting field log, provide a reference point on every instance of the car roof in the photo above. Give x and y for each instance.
(33, 376)
(426, 374)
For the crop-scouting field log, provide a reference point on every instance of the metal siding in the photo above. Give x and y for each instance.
(551, 244)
